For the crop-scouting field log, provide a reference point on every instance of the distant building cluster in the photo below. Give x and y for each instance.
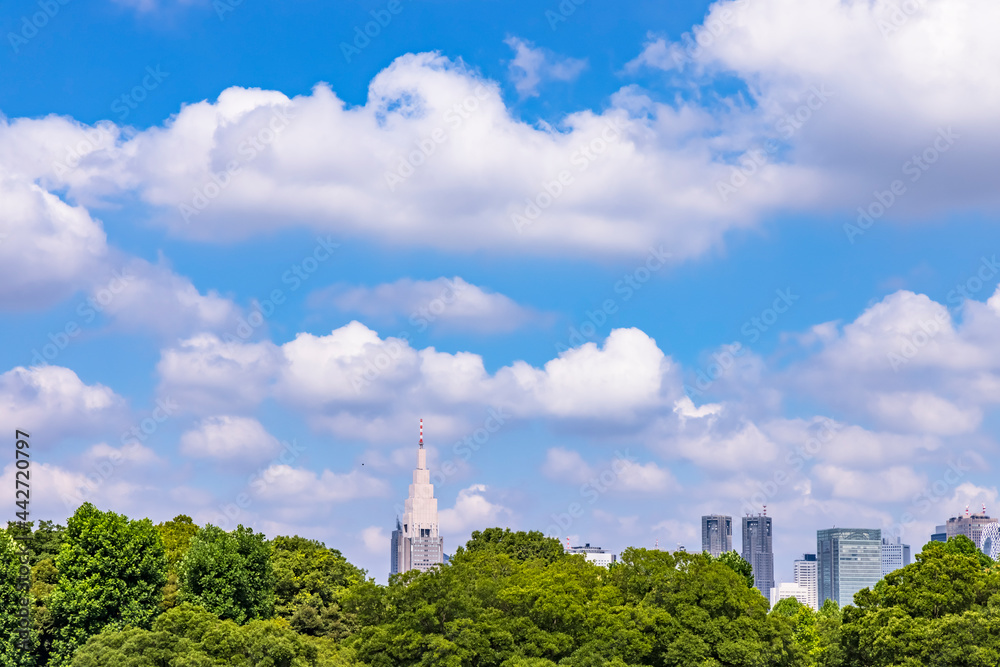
(846, 561)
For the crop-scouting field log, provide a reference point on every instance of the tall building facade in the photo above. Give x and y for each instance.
(805, 576)
(848, 560)
(895, 555)
(991, 541)
(970, 526)
(416, 543)
(940, 533)
(716, 534)
(797, 591)
(758, 552)
(595, 555)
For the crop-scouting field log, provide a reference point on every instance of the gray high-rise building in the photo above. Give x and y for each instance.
(940, 534)
(757, 551)
(716, 534)
(895, 555)
(970, 526)
(850, 559)
(416, 542)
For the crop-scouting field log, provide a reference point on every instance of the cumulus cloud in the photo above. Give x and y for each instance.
(301, 487)
(207, 375)
(448, 303)
(472, 511)
(624, 474)
(48, 248)
(375, 539)
(229, 438)
(532, 66)
(52, 401)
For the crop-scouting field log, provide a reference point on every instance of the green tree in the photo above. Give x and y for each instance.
(111, 574)
(189, 636)
(518, 545)
(176, 535)
(229, 574)
(11, 600)
(735, 562)
(309, 581)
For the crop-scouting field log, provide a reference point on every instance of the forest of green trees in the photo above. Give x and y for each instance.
(110, 591)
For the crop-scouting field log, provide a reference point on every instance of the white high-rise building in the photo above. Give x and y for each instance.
(895, 555)
(416, 542)
(805, 576)
(797, 591)
(595, 555)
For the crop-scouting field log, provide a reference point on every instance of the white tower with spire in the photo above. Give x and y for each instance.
(416, 543)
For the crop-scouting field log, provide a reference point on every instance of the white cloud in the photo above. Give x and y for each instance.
(52, 401)
(229, 438)
(472, 511)
(628, 476)
(376, 540)
(207, 375)
(49, 249)
(152, 297)
(893, 484)
(531, 66)
(301, 487)
(449, 303)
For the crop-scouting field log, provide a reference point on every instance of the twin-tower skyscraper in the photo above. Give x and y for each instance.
(417, 543)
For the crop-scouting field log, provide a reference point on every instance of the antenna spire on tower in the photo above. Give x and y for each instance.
(421, 432)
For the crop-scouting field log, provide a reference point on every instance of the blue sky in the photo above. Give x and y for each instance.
(487, 207)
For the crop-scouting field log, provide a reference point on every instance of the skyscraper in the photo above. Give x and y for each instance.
(716, 534)
(805, 576)
(849, 560)
(970, 526)
(416, 542)
(895, 554)
(757, 551)
(991, 541)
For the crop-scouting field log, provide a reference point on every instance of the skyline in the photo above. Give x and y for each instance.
(633, 264)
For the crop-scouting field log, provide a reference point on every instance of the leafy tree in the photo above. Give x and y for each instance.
(176, 535)
(735, 562)
(11, 599)
(111, 574)
(44, 541)
(943, 609)
(309, 581)
(229, 574)
(518, 545)
(189, 636)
